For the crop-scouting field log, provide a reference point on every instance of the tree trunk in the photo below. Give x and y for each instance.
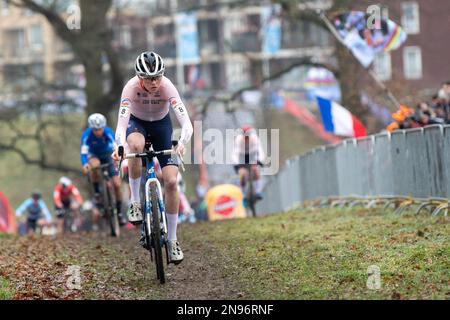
(89, 44)
(94, 85)
(351, 74)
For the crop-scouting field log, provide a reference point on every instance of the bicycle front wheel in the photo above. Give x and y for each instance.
(156, 233)
(113, 218)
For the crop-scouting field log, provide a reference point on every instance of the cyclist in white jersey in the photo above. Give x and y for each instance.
(248, 150)
(144, 111)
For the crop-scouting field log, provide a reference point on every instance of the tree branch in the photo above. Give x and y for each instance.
(53, 18)
(303, 62)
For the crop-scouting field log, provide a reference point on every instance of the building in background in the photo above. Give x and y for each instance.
(237, 46)
(233, 52)
(421, 61)
(210, 46)
(129, 35)
(30, 49)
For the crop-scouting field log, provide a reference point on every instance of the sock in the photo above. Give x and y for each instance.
(172, 221)
(96, 187)
(135, 185)
(119, 206)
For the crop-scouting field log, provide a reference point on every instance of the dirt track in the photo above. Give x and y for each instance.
(109, 268)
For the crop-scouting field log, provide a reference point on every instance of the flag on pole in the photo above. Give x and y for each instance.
(272, 29)
(338, 120)
(187, 36)
(366, 42)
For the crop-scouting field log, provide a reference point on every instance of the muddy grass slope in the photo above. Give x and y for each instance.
(297, 255)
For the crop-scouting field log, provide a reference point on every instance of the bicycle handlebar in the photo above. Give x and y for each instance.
(147, 154)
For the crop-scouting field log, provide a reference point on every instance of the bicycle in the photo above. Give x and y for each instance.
(154, 221)
(108, 200)
(69, 220)
(250, 194)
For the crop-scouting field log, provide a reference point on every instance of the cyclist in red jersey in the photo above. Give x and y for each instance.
(65, 196)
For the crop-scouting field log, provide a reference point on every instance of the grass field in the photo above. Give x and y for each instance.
(295, 139)
(326, 254)
(303, 254)
(6, 292)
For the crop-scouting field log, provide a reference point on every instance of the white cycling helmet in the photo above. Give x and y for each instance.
(149, 64)
(97, 121)
(65, 181)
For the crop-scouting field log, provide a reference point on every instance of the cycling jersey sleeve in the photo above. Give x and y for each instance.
(23, 207)
(84, 148)
(45, 211)
(185, 123)
(76, 193)
(57, 197)
(181, 113)
(261, 153)
(124, 116)
(236, 150)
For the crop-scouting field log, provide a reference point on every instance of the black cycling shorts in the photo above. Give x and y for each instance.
(159, 133)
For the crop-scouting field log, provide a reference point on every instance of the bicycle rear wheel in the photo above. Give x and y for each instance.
(68, 221)
(156, 233)
(251, 193)
(113, 218)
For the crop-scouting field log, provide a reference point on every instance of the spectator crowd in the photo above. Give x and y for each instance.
(437, 111)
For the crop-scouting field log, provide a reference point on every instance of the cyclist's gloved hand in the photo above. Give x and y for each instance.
(180, 149)
(115, 155)
(266, 163)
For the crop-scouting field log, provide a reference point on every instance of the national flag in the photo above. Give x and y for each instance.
(338, 120)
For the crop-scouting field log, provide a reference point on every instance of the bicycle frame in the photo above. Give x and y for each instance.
(107, 209)
(250, 189)
(151, 176)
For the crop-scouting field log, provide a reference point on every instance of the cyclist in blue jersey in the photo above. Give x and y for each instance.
(97, 145)
(38, 214)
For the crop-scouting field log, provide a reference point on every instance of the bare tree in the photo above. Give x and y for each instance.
(236, 94)
(41, 136)
(350, 70)
(91, 43)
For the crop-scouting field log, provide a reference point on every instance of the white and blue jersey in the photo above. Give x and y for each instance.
(101, 148)
(34, 209)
